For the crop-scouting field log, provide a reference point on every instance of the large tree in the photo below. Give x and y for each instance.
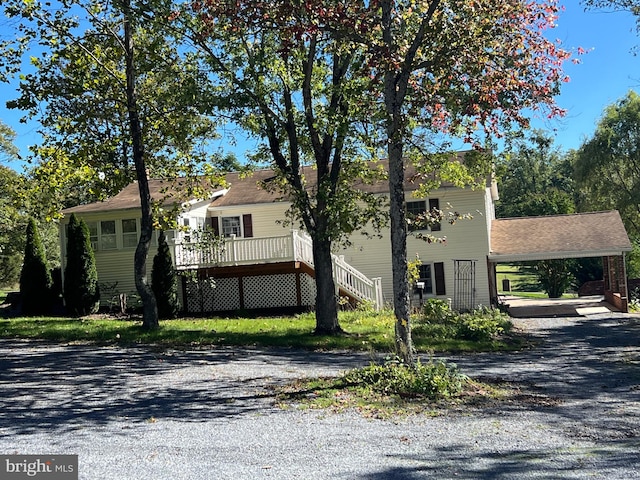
(535, 178)
(457, 67)
(607, 168)
(290, 74)
(114, 101)
(11, 233)
(11, 228)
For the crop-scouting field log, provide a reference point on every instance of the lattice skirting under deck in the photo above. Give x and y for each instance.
(209, 294)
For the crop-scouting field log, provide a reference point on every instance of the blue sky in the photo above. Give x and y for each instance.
(604, 75)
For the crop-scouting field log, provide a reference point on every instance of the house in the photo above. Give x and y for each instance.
(258, 264)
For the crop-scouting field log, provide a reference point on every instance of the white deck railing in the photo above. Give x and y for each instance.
(296, 247)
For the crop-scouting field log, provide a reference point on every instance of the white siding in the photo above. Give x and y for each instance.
(466, 240)
(265, 217)
(114, 266)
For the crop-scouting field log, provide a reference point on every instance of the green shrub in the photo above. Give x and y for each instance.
(432, 380)
(35, 277)
(439, 321)
(81, 290)
(436, 310)
(483, 324)
(164, 281)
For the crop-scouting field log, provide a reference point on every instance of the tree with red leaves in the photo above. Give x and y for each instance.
(318, 78)
(460, 67)
(290, 73)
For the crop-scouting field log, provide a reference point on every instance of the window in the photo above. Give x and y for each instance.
(413, 210)
(231, 226)
(432, 275)
(425, 278)
(93, 234)
(419, 208)
(186, 236)
(108, 240)
(129, 233)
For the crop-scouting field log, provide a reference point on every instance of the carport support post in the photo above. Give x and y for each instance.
(615, 282)
(493, 282)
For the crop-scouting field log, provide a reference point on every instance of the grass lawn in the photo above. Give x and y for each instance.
(522, 284)
(366, 331)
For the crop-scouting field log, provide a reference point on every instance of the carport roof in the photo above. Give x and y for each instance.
(596, 234)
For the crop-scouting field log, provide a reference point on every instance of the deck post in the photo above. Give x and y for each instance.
(234, 253)
(294, 246)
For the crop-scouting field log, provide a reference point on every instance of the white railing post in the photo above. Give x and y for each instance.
(377, 283)
(334, 270)
(234, 253)
(294, 245)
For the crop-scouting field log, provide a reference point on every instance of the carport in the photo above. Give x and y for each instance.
(595, 234)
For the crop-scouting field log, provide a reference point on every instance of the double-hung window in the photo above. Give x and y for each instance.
(426, 279)
(419, 207)
(129, 233)
(231, 226)
(414, 209)
(93, 234)
(432, 279)
(108, 239)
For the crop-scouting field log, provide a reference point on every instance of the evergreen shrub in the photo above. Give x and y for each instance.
(81, 290)
(164, 281)
(35, 277)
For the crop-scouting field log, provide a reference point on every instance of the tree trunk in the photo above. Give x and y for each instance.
(149, 307)
(326, 302)
(401, 299)
(395, 87)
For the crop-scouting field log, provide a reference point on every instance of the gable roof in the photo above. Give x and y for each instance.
(580, 235)
(129, 197)
(241, 189)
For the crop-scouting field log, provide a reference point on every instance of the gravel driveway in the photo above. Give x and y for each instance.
(138, 414)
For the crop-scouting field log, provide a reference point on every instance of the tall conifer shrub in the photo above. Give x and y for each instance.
(164, 281)
(81, 291)
(35, 277)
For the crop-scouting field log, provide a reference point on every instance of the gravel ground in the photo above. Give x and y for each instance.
(141, 414)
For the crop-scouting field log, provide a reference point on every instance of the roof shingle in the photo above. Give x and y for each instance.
(558, 236)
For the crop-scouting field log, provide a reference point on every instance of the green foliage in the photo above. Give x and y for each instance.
(633, 260)
(12, 225)
(35, 277)
(607, 167)
(534, 178)
(554, 276)
(437, 310)
(584, 270)
(81, 290)
(432, 380)
(164, 281)
(482, 324)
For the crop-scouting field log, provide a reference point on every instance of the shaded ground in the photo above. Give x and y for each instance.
(138, 413)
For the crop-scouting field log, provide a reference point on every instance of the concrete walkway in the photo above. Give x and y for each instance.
(138, 413)
(520, 307)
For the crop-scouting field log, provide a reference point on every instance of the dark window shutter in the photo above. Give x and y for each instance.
(438, 270)
(247, 225)
(215, 226)
(434, 203)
